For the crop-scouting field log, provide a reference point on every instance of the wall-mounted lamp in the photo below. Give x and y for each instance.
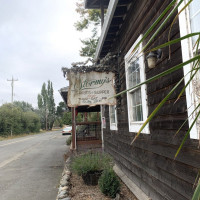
(153, 57)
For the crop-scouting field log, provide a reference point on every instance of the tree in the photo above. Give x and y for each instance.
(16, 119)
(67, 118)
(46, 105)
(61, 108)
(23, 105)
(89, 19)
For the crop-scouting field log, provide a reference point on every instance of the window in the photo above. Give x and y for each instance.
(137, 98)
(194, 14)
(189, 22)
(113, 117)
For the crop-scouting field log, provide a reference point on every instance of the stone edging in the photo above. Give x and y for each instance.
(63, 191)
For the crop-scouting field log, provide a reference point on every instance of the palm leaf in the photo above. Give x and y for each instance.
(174, 41)
(186, 135)
(174, 22)
(157, 109)
(154, 24)
(186, 120)
(196, 195)
(187, 84)
(162, 25)
(175, 68)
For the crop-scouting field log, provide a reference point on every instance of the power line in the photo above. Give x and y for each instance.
(12, 85)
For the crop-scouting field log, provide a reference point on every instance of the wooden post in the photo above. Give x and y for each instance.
(102, 12)
(73, 128)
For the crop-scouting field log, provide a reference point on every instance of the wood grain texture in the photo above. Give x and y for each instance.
(149, 162)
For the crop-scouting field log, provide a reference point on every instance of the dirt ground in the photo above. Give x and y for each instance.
(80, 191)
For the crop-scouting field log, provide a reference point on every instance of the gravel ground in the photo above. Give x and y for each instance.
(80, 191)
(72, 187)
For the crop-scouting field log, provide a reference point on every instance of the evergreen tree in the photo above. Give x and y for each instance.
(46, 105)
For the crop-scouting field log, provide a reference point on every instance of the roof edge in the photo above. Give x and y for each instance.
(110, 12)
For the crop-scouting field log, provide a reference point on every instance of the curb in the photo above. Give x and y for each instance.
(63, 190)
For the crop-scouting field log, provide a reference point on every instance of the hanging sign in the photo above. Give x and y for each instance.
(92, 88)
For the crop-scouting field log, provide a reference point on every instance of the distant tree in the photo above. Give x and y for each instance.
(88, 19)
(31, 122)
(46, 106)
(61, 108)
(94, 116)
(23, 105)
(67, 118)
(14, 118)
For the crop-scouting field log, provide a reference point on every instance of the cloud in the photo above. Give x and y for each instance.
(37, 39)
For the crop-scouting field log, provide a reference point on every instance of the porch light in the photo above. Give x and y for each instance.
(153, 57)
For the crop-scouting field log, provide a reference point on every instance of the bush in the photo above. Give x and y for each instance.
(109, 183)
(69, 140)
(15, 119)
(89, 162)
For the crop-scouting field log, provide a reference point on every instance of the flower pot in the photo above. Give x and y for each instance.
(91, 177)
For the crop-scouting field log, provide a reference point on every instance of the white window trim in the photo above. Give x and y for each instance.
(113, 126)
(135, 126)
(185, 28)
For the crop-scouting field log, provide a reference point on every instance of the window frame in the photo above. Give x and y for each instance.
(134, 126)
(187, 53)
(113, 126)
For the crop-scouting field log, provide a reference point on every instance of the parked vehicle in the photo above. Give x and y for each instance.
(67, 130)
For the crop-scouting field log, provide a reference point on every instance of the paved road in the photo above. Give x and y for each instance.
(31, 167)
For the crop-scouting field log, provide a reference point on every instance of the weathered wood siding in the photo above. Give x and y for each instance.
(149, 162)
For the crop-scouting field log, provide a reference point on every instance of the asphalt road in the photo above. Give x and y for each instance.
(31, 167)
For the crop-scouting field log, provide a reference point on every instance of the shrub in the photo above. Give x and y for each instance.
(90, 161)
(109, 183)
(69, 140)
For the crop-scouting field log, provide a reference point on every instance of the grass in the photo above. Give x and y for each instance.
(21, 135)
(16, 136)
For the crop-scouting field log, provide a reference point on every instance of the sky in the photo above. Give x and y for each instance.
(37, 39)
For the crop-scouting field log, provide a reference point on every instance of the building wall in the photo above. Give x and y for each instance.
(149, 162)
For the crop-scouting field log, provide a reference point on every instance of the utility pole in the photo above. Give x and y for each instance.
(12, 85)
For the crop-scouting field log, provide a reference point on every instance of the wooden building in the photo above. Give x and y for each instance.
(86, 135)
(149, 162)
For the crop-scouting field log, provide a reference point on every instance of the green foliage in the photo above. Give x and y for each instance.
(46, 106)
(89, 47)
(79, 117)
(88, 19)
(91, 161)
(196, 195)
(23, 105)
(109, 183)
(61, 108)
(69, 140)
(67, 118)
(94, 117)
(16, 119)
(58, 123)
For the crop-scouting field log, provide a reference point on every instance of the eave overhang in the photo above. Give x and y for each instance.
(95, 4)
(116, 14)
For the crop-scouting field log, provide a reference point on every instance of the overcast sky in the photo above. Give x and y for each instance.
(37, 38)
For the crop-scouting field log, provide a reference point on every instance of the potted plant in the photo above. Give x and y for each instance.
(90, 166)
